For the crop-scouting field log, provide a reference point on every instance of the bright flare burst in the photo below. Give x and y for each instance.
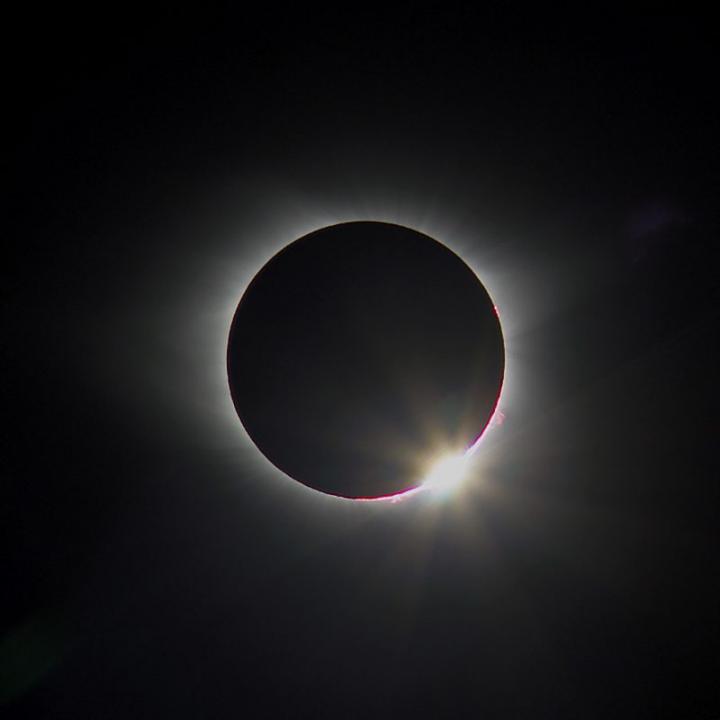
(447, 473)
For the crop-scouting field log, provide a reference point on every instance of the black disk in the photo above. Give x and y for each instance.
(359, 353)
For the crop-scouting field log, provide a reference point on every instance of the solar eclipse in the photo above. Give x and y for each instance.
(363, 354)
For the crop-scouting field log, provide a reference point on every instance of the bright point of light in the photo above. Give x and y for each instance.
(447, 473)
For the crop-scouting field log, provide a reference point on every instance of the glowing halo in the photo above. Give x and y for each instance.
(241, 227)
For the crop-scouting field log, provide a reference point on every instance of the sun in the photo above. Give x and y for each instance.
(447, 473)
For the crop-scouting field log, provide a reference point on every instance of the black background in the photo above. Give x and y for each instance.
(150, 569)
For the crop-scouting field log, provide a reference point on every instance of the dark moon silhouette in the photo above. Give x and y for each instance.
(359, 353)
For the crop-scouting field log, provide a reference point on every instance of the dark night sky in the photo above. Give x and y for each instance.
(152, 566)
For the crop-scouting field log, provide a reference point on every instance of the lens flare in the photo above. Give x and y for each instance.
(447, 473)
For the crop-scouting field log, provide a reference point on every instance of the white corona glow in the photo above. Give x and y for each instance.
(447, 474)
(258, 223)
